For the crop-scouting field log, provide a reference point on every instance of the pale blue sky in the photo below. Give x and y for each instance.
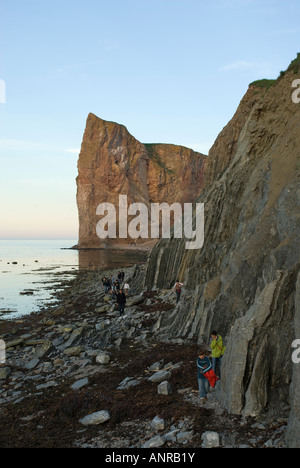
(171, 71)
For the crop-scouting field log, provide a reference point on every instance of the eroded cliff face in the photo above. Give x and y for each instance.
(112, 163)
(243, 281)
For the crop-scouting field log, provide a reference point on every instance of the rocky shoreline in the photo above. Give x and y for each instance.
(79, 375)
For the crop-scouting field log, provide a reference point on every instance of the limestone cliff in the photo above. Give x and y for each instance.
(112, 163)
(243, 281)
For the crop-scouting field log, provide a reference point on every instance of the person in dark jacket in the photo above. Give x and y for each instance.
(203, 366)
(121, 301)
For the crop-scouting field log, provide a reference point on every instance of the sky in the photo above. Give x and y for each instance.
(171, 71)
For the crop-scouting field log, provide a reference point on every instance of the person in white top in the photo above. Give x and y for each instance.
(126, 288)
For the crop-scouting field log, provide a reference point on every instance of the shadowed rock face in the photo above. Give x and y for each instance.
(112, 163)
(243, 281)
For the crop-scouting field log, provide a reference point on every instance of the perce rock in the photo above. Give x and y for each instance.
(112, 163)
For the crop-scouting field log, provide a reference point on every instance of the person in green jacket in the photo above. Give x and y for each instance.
(218, 350)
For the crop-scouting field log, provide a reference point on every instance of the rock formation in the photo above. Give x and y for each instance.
(112, 163)
(243, 281)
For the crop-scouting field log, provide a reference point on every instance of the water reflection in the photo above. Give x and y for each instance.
(102, 259)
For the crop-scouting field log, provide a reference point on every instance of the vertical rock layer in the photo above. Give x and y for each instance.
(243, 281)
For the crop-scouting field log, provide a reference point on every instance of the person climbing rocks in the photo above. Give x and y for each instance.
(203, 365)
(178, 289)
(121, 301)
(218, 350)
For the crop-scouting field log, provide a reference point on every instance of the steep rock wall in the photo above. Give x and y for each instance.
(243, 281)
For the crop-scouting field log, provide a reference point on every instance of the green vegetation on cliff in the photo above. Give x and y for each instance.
(267, 84)
(153, 154)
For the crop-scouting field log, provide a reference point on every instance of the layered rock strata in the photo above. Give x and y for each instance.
(243, 281)
(112, 163)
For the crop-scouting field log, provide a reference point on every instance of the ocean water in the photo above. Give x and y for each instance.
(35, 267)
(31, 271)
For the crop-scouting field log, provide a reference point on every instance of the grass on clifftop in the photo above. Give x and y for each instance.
(294, 66)
(267, 84)
(263, 84)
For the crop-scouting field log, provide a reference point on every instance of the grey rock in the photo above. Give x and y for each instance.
(132, 301)
(158, 424)
(32, 363)
(80, 383)
(184, 437)
(73, 351)
(171, 436)
(75, 334)
(46, 385)
(156, 441)
(94, 419)
(103, 358)
(164, 388)
(156, 366)
(210, 440)
(127, 383)
(4, 372)
(160, 376)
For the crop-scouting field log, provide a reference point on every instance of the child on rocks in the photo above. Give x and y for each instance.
(203, 366)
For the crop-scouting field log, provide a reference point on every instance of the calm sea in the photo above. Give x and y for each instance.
(32, 270)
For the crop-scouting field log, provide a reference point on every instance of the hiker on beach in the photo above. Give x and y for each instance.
(106, 285)
(203, 365)
(178, 289)
(218, 350)
(126, 288)
(121, 301)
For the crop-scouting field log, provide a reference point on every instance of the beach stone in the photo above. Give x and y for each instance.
(158, 424)
(58, 362)
(171, 436)
(14, 343)
(103, 358)
(47, 385)
(127, 383)
(160, 376)
(118, 342)
(156, 441)
(94, 419)
(164, 388)
(80, 383)
(156, 366)
(65, 329)
(75, 334)
(32, 363)
(184, 437)
(135, 301)
(100, 326)
(75, 351)
(210, 440)
(4, 373)
(103, 309)
(59, 311)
